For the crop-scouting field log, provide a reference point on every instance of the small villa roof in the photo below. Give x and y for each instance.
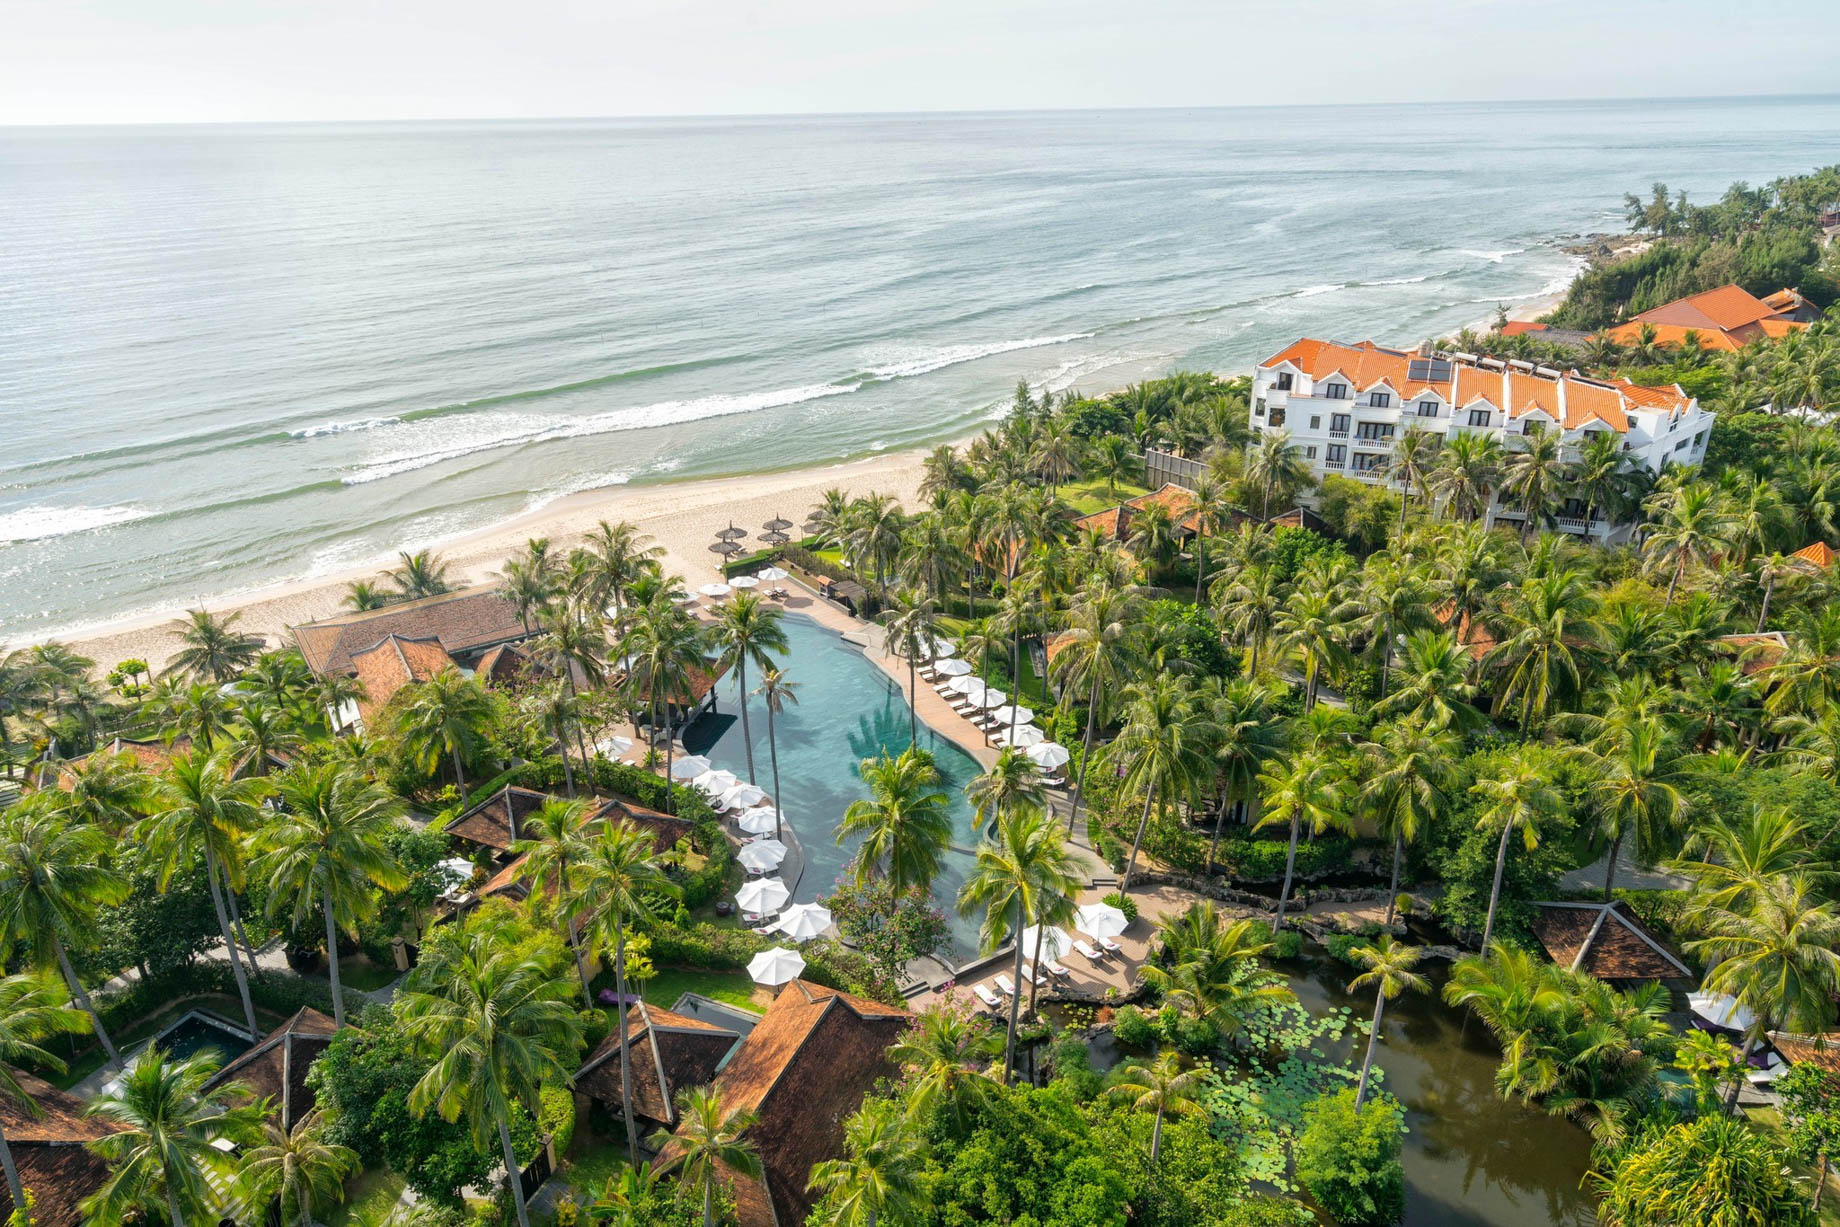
(51, 1152)
(1819, 554)
(1604, 940)
(1757, 651)
(464, 622)
(1724, 318)
(497, 821)
(1821, 1050)
(1115, 522)
(702, 681)
(393, 662)
(1471, 633)
(503, 664)
(276, 1068)
(805, 1067)
(667, 1051)
(148, 755)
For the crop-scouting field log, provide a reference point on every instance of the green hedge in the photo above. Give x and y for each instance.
(1262, 860)
(556, 1117)
(716, 949)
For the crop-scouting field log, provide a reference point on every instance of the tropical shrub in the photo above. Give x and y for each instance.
(1349, 1160)
(1716, 1171)
(890, 927)
(1135, 1029)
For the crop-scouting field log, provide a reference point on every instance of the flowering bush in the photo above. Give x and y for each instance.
(890, 927)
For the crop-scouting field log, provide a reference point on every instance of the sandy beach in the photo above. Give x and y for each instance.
(681, 517)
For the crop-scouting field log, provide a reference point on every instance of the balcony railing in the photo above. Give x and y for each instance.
(1338, 434)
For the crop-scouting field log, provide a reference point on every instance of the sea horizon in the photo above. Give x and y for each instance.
(237, 355)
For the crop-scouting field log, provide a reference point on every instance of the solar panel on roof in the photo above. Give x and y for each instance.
(1428, 370)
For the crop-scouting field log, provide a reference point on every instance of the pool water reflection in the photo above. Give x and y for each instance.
(847, 710)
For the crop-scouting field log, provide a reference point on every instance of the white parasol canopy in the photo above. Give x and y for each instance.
(1048, 755)
(761, 855)
(742, 796)
(940, 649)
(684, 598)
(1013, 713)
(760, 820)
(763, 895)
(1722, 1011)
(952, 668)
(456, 871)
(1101, 920)
(780, 965)
(991, 698)
(967, 685)
(714, 783)
(744, 581)
(1022, 736)
(613, 747)
(689, 767)
(715, 590)
(773, 574)
(804, 921)
(1054, 943)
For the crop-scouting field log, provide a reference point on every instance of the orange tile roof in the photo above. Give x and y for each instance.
(392, 663)
(1723, 309)
(1571, 399)
(1724, 318)
(1819, 553)
(1756, 652)
(1514, 328)
(1672, 336)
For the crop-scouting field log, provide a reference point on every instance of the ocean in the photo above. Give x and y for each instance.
(231, 355)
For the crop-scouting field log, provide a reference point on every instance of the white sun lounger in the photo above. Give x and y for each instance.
(1056, 970)
(1109, 946)
(1005, 985)
(989, 998)
(1080, 945)
(1031, 974)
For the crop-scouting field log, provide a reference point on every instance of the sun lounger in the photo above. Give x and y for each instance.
(1032, 974)
(989, 998)
(1005, 985)
(1056, 970)
(1109, 946)
(1088, 951)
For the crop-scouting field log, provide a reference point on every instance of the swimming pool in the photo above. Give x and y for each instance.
(848, 710)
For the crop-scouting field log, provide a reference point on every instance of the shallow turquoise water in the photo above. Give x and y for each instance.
(848, 710)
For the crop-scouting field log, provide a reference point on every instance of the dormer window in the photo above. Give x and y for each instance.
(1533, 430)
(1284, 381)
(1379, 400)
(1478, 417)
(1336, 391)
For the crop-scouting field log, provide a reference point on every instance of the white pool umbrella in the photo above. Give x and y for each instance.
(952, 668)
(714, 783)
(1048, 755)
(780, 965)
(761, 820)
(613, 747)
(1721, 1011)
(1022, 736)
(761, 855)
(1100, 920)
(763, 895)
(804, 921)
(744, 581)
(773, 574)
(992, 698)
(684, 598)
(1010, 713)
(942, 648)
(742, 796)
(715, 590)
(456, 872)
(1054, 943)
(689, 767)
(968, 686)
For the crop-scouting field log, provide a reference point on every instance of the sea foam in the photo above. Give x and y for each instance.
(39, 523)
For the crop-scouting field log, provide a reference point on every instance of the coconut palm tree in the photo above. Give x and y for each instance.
(1547, 645)
(1095, 654)
(200, 713)
(198, 812)
(750, 630)
(908, 630)
(363, 595)
(878, 1180)
(499, 1028)
(1773, 950)
(1414, 455)
(710, 1142)
(777, 692)
(1210, 507)
(1388, 600)
(904, 823)
(1246, 738)
(423, 573)
(1307, 626)
(1635, 768)
(945, 1056)
(1690, 526)
(327, 851)
(1165, 1086)
(1011, 783)
(1023, 873)
(211, 649)
(1518, 798)
(163, 1152)
(1155, 537)
(1411, 769)
(1161, 750)
(1309, 789)
(619, 554)
(1534, 477)
(32, 1009)
(621, 875)
(263, 733)
(54, 877)
(1389, 973)
(1016, 617)
(1275, 464)
(299, 1168)
(665, 651)
(449, 714)
(1434, 687)
(556, 839)
(1466, 473)
(1602, 476)
(1210, 972)
(1113, 458)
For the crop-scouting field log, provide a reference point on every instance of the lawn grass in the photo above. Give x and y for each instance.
(1087, 497)
(370, 1192)
(732, 987)
(592, 1162)
(358, 973)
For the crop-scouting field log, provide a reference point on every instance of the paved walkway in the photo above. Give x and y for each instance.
(1629, 875)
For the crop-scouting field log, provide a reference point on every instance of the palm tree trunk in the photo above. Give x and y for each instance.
(223, 928)
(1616, 845)
(1290, 864)
(511, 1172)
(1200, 564)
(81, 995)
(236, 922)
(1092, 718)
(332, 958)
(773, 753)
(747, 734)
(1156, 1137)
(913, 703)
(1820, 1183)
(1220, 819)
(581, 961)
(1501, 860)
(568, 773)
(1373, 1038)
(1679, 568)
(1143, 824)
(172, 1206)
(1015, 1005)
(619, 986)
(709, 1209)
(1035, 958)
(1015, 670)
(1737, 1082)
(1392, 890)
(1763, 616)
(459, 775)
(13, 1187)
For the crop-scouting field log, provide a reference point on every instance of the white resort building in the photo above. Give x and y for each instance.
(1345, 405)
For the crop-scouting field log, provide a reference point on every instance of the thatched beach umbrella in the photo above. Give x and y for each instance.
(777, 525)
(731, 533)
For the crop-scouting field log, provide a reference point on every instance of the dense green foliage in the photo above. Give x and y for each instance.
(1349, 1159)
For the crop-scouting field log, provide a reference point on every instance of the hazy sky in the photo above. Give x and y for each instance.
(84, 61)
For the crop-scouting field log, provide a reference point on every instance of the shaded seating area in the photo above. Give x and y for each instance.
(668, 1052)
